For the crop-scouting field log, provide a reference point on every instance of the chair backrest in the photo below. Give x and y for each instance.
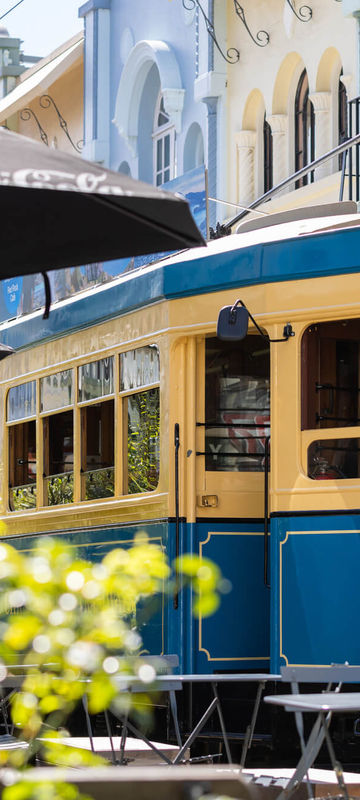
(335, 673)
(163, 665)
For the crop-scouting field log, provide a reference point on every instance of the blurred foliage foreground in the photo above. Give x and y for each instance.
(71, 624)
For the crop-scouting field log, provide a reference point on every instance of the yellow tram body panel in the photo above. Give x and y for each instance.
(179, 328)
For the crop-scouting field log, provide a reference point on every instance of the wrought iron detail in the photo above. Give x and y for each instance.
(262, 38)
(304, 14)
(28, 113)
(232, 55)
(46, 101)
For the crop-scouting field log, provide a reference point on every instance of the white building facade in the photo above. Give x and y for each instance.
(287, 97)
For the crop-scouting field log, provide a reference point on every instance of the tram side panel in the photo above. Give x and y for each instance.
(315, 590)
(236, 637)
(150, 617)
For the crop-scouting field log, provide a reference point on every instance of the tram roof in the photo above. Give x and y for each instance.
(290, 251)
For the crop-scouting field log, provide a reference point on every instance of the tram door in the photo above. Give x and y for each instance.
(232, 436)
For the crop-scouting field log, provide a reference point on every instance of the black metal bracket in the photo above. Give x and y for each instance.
(232, 55)
(28, 113)
(262, 38)
(304, 14)
(219, 231)
(287, 332)
(46, 101)
(177, 517)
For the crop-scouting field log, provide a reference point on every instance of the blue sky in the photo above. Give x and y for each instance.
(42, 24)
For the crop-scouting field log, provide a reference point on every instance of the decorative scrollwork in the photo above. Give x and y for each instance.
(304, 14)
(28, 113)
(262, 38)
(46, 101)
(232, 55)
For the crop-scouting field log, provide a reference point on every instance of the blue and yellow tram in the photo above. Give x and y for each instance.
(124, 412)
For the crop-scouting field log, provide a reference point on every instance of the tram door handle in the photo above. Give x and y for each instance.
(266, 509)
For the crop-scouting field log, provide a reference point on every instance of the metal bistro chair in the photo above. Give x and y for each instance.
(164, 665)
(333, 676)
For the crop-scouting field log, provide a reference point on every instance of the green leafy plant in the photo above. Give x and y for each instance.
(70, 622)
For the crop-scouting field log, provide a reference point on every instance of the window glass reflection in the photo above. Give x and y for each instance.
(57, 391)
(96, 379)
(21, 401)
(139, 368)
(143, 441)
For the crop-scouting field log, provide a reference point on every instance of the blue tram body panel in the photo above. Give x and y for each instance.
(236, 637)
(315, 607)
(94, 544)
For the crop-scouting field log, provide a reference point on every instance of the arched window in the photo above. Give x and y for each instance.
(343, 111)
(342, 115)
(304, 129)
(163, 144)
(268, 156)
(124, 168)
(193, 147)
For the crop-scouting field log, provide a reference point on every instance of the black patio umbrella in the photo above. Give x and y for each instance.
(57, 210)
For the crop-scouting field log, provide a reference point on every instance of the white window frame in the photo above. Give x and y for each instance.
(160, 134)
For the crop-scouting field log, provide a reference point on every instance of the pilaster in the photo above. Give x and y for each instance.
(245, 152)
(279, 130)
(96, 15)
(322, 107)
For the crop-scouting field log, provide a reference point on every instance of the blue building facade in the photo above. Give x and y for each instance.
(155, 88)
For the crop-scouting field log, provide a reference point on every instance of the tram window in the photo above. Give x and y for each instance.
(21, 401)
(334, 459)
(96, 379)
(139, 368)
(58, 458)
(237, 404)
(22, 466)
(56, 391)
(97, 424)
(331, 375)
(143, 463)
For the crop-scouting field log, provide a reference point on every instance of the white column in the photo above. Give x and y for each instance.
(323, 130)
(96, 14)
(279, 129)
(245, 152)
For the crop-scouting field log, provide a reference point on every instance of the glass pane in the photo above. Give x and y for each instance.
(96, 379)
(163, 117)
(22, 497)
(59, 444)
(166, 150)
(60, 489)
(143, 441)
(98, 450)
(21, 401)
(158, 155)
(334, 459)
(237, 404)
(99, 483)
(139, 368)
(22, 466)
(56, 391)
(331, 379)
(166, 175)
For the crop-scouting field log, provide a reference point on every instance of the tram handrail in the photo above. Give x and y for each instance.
(301, 173)
(266, 510)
